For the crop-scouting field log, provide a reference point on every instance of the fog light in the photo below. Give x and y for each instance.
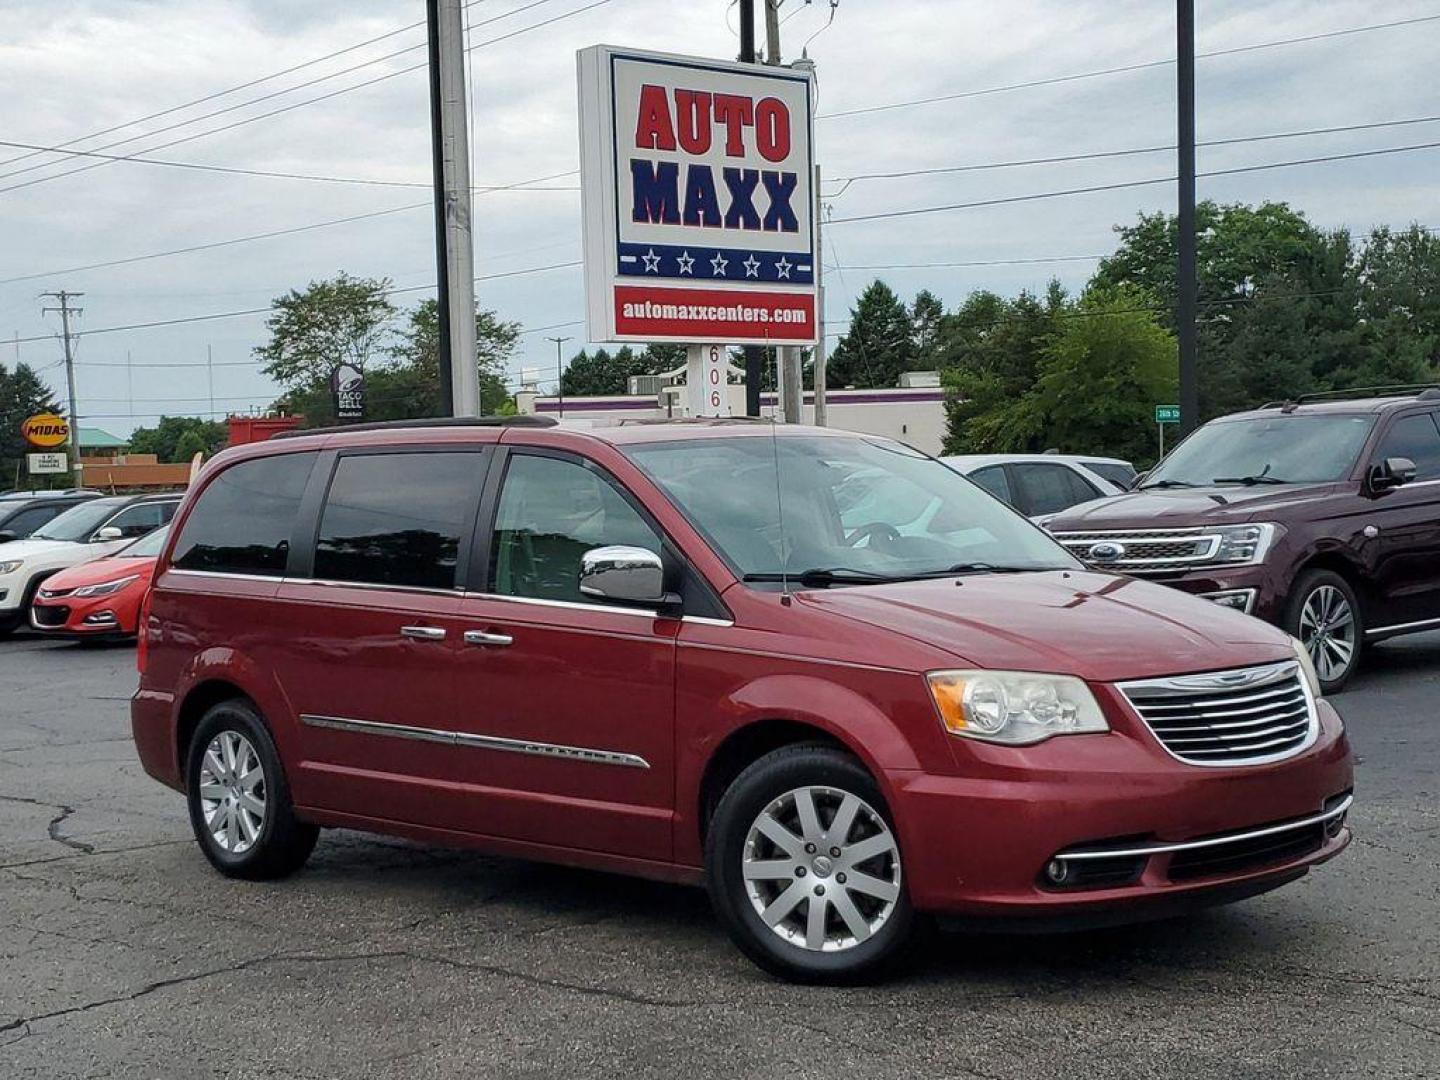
(1334, 825)
(1238, 599)
(1056, 871)
(100, 618)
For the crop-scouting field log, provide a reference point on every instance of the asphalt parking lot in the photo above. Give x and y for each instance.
(122, 954)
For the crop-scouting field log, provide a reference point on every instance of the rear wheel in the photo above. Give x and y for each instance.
(804, 868)
(240, 806)
(1324, 615)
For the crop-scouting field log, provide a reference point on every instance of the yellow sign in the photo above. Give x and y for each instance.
(45, 430)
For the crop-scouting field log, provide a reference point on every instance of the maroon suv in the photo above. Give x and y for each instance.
(1321, 516)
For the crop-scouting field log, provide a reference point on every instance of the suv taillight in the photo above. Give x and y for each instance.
(142, 632)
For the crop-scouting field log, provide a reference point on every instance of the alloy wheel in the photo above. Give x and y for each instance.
(232, 792)
(822, 869)
(1327, 630)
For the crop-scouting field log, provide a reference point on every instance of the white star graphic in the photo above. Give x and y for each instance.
(652, 262)
(782, 267)
(752, 266)
(718, 264)
(686, 261)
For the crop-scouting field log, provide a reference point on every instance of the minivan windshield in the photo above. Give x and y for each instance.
(845, 510)
(77, 523)
(1279, 449)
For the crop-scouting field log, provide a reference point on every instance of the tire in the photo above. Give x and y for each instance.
(864, 929)
(259, 836)
(1324, 614)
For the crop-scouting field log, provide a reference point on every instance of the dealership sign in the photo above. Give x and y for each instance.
(45, 431)
(699, 205)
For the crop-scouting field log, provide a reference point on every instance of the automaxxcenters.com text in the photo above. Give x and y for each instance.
(739, 313)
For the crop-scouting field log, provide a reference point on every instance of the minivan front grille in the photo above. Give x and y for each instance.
(1240, 717)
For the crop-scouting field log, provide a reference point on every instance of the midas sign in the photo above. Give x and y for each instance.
(698, 190)
(45, 430)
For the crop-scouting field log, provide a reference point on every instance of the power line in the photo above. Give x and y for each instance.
(1101, 154)
(211, 317)
(517, 185)
(1124, 69)
(294, 105)
(1091, 189)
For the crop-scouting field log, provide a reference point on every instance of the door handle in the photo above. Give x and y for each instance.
(480, 637)
(423, 633)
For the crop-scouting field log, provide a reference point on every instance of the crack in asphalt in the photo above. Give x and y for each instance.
(497, 970)
(54, 827)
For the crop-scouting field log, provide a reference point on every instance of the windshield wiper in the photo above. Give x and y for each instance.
(1249, 481)
(819, 578)
(981, 568)
(1166, 484)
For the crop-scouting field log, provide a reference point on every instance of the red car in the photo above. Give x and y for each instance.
(99, 599)
(819, 672)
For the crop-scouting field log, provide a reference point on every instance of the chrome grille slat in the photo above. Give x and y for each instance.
(1241, 717)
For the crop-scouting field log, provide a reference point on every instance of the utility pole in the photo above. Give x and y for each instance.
(455, 252)
(62, 300)
(754, 354)
(560, 367)
(210, 377)
(822, 359)
(789, 381)
(1187, 283)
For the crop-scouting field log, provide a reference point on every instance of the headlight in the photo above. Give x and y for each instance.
(106, 588)
(1243, 543)
(1307, 666)
(11, 566)
(1014, 707)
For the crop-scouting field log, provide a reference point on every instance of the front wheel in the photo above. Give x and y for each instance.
(1324, 615)
(239, 800)
(804, 868)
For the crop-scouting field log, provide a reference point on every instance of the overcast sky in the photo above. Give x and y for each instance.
(70, 69)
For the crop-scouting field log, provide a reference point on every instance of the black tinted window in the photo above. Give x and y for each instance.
(27, 521)
(992, 478)
(1048, 489)
(1416, 438)
(1120, 475)
(551, 512)
(242, 521)
(397, 519)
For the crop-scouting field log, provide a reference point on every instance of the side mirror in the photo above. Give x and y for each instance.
(6, 536)
(108, 533)
(624, 575)
(1391, 473)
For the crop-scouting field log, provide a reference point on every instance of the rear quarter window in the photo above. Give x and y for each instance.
(242, 521)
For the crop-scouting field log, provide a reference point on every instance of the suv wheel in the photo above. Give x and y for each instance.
(804, 868)
(239, 800)
(1324, 614)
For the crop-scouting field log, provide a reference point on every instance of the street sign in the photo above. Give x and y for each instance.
(1167, 414)
(697, 190)
(46, 463)
(45, 431)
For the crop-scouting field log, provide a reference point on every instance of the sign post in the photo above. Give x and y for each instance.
(698, 203)
(1165, 414)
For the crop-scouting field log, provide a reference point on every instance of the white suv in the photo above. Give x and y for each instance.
(88, 531)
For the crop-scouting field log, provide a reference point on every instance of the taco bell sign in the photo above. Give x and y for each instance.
(697, 189)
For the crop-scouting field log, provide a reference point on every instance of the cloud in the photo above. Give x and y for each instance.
(69, 69)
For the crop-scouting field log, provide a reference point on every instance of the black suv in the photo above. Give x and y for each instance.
(22, 512)
(1320, 515)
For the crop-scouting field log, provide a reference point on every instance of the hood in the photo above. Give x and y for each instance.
(100, 571)
(1099, 627)
(36, 549)
(1160, 508)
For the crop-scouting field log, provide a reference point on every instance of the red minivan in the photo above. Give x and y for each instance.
(820, 672)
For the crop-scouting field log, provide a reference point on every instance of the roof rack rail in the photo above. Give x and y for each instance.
(523, 420)
(1428, 391)
(695, 421)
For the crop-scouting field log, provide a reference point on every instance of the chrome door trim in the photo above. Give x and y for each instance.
(1419, 624)
(585, 754)
(1214, 841)
(609, 609)
(227, 575)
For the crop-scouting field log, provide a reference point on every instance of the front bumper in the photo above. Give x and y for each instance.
(1257, 583)
(60, 618)
(978, 846)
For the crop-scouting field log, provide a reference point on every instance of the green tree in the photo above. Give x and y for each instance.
(927, 315)
(344, 319)
(878, 346)
(603, 372)
(176, 438)
(22, 394)
(418, 346)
